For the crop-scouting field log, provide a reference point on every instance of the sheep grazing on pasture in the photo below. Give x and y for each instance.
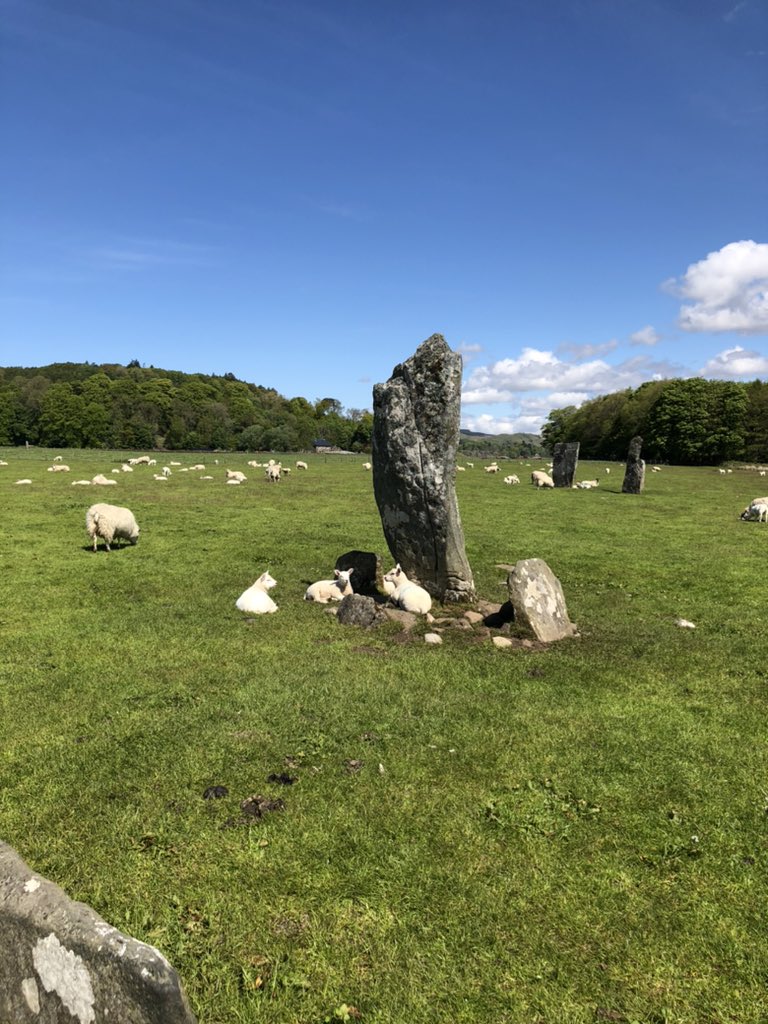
(366, 466)
(408, 595)
(471, 465)
(141, 460)
(3, 462)
(751, 511)
(126, 468)
(255, 600)
(762, 472)
(541, 479)
(104, 481)
(493, 468)
(59, 468)
(166, 470)
(111, 523)
(57, 458)
(721, 472)
(273, 472)
(301, 465)
(607, 470)
(461, 469)
(254, 464)
(760, 509)
(330, 590)
(513, 479)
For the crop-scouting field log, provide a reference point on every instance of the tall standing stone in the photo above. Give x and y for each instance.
(565, 459)
(634, 475)
(415, 440)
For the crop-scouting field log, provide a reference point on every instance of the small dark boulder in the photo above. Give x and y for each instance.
(359, 610)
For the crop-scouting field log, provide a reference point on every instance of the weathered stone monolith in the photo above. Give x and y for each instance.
(634, 474)
(61, 963)
(537, 597)
(565, 459)
(415, 440)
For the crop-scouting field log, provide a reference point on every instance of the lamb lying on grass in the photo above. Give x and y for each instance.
(410, 596)
(330, 590)
(255, 600)
(103, 480)
(111, 523)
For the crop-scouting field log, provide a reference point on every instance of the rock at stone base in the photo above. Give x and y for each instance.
(359, 610)
(406, 619)
(60, 962)
(537, 597)
(501, 641)
(367, 574)
(432, 638)
(474, 617)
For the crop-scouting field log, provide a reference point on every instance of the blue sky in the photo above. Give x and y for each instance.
(573, 192)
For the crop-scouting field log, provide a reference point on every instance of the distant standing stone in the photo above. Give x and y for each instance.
(537, 597)
(415, 440)
(565, 459)
(634, 474)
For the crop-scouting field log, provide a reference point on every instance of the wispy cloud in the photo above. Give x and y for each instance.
(732, 12)
(131, 254)
(588, 351)
(645, 336)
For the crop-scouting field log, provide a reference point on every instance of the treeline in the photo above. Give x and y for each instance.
(690, 422)
(84, 405)
(500, 446)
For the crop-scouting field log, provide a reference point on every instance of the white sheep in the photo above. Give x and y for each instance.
(81, 483)
(255, 464)
(587, 484)
(461, 469)
(273, 472)
(206, 478)
(410, 596)
(762, 472)
(126, 468)
(60, 468)
(512, 479)
(301, 465)
(160, 477)
(749, 512)
(3, 462)
(255, 599)
(471, 465)
(541, 479)
(235, 474)
(234, 483)
(607, 470)
(721, 472)
(330, 590)
(198, 466)
(175, 463)
(366, 466)
(26, 481)
(152, 462)
(57, 458)
(141, 460)
(760, 509)
(111, 523)
(103, 480)
(166, 470)
(493, 468)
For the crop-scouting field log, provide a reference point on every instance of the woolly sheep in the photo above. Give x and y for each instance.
(166, 470)
(160, 477)
(254, 464)
(748, 512)
(111, 523)
(410, 596)
(721, 472)
(461, 469)
(235, 483)
(206, 478)
(81, 483)
(607, 470)
(27, 481)
(471, 465)
(541, 479)
(513, 479)
(235, 474)
(152, 462)
(366, 465)
(762, 472)
(174, 463)
(273, 472)
(57, 458)
(3, 462)
(126, 468)
(255, 600)
(586, 484)
(493, 468)
(301, 465)
(760, 509)
(59, 468)
(103, 480)
(198, 466)
(330, 590)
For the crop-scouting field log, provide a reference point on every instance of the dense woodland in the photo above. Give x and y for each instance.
(84, 405)
(692, 422)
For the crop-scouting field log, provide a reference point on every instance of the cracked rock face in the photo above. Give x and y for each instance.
(415, 440)
(634, 474)
(538, 600)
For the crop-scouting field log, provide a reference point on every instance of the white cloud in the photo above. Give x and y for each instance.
(645, 336)
(464, 348)
(728, 289)
(536, 370)
(487, 424)
(736, 363)
(589, 351)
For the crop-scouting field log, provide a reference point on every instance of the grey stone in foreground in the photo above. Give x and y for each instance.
(634, 474)
(60, 963)
(367, 566)
(565, 459)
(415, 440)
(537, 597)
(359, 610)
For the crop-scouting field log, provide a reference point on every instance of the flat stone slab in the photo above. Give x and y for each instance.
(537, 598)
(60, 963)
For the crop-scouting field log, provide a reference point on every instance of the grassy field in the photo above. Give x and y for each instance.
(555, 836)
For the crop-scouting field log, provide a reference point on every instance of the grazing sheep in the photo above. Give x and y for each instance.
(57, 458)
(60, 468)
(103, 480)
(152, 462)
(493, 468)
(721, 472)
(273, 472)
(541, 479)
(760, 509)
(141, 460)
(460, 469)
(366, 465)
(23, 481)
(330, 590)
(471, 465)
(254, 464)
(587, 484)
(255, 600)
(657, 469)
(410, 596)
(126, 468)
(111, 523)
(762, 472)
(513, 479)
(166, 470)
(749, 511)
(729, 471)
(235, 474)
(301, 465)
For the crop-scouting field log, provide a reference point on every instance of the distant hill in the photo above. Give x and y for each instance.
(473, 442)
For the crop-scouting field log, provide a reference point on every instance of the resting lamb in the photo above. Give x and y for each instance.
(330, 590)
(410, 596)
(255, 599)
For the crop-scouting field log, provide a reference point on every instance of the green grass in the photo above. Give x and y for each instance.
(570, 835)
